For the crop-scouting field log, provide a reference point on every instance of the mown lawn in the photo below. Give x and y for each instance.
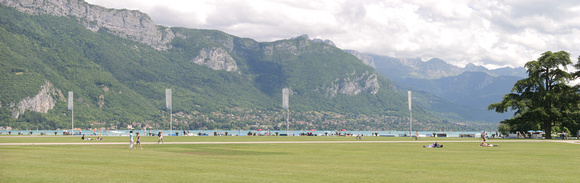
(273, 162)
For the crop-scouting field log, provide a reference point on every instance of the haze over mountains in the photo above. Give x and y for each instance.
(119, 63)
(435, 68)
(471, 87)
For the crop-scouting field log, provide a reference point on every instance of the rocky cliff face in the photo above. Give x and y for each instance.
(216, 59)
(351, 85)
(364, 83)
(365, 58)
(129, 24)
(42, 102)
(295, 46)
(327, 41)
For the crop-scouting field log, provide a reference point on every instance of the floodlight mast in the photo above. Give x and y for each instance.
(70, 107)
(285, 101)
(171, 120)
(73, 121)
(168, 105)
(410, 116)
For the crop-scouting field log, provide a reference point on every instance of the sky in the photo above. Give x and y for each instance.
(489, 33)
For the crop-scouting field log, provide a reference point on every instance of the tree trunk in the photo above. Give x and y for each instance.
(548, 129)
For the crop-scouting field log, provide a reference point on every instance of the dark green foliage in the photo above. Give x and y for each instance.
(544, 98)
(37, 49)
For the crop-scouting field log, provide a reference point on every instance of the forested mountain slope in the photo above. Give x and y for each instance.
(218, 80)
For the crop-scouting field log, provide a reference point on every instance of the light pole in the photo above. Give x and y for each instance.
(168, 105)
(285, 98)
(70, 107)
(410, 116)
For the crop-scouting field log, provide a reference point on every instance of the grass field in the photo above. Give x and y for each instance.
(344, 160)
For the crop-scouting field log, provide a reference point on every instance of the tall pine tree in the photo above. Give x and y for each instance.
(543, 98)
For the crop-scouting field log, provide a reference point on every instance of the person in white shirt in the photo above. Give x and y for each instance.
(131, 140)
(160, 135)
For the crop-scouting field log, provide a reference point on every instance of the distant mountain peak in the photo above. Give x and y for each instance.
(474, 68)
(363, 57)
(301, 36)
(509, 71)
(316, 40)
(327, 41)
(437, 60)
(434, 68)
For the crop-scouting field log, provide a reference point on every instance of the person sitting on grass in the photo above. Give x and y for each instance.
(483, 144)
(434, 145)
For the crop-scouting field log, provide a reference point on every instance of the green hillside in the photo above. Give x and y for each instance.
(119, 82)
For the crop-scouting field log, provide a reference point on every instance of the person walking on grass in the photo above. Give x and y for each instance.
(160, 135)
(131, 139)
(139, 140)
(417, 135)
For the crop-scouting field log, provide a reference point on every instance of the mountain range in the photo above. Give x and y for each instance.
(435, 68)
(118, 63)
(471, 87)
(459, 93)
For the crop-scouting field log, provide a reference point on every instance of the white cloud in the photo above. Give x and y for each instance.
(487, 32)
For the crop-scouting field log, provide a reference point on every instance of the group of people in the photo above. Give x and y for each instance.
(434, 145)
(437, 145)
(484, 139)
(89, 138)
(482, 144)
(564, 135)
(131, 142)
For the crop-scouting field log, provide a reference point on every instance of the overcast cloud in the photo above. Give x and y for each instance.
(484, 32)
